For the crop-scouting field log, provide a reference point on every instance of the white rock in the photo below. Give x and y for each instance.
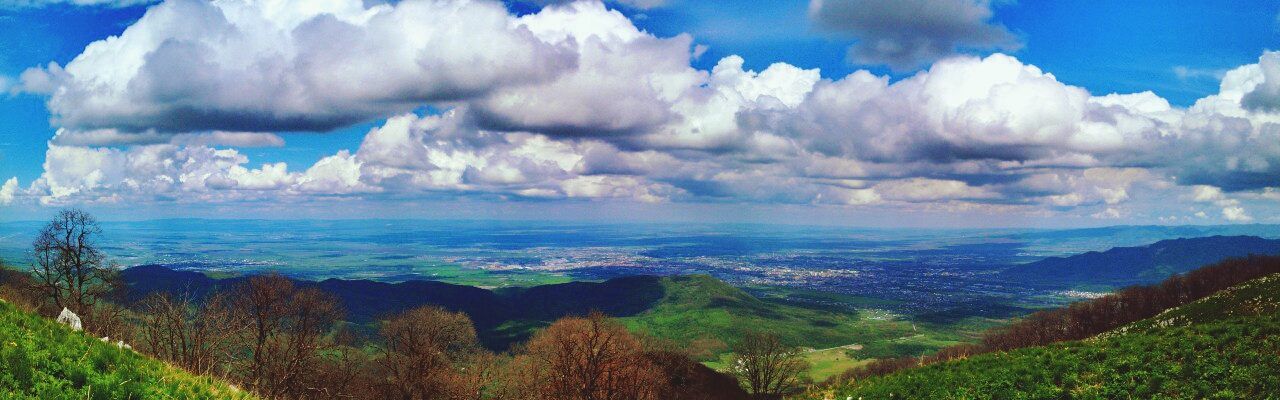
(69, 318)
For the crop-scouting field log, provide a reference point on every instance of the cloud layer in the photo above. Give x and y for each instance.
(575, 102)
(907, 33)
(191, 65)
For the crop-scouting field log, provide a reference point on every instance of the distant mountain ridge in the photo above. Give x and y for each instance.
(680, 308)
(367, 301)
(1122, 266)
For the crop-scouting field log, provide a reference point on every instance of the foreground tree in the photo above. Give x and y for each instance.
(768, 368)
(592, 358)
(70, 271)
(197, 336)
(287, 330)
(426, 350)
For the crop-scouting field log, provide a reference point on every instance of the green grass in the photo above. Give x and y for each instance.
(699, 306)
(826, 363)
(40, 359)
(1235, 358)
(1223, 346)
(823, 363)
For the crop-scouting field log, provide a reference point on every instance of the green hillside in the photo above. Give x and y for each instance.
(1223, 346)
(695, 307)
(1259, 297)
(41, 359)
(699, 307)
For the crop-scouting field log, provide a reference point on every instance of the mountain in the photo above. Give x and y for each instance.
(42, 359)
(680, 308)
(1122, 266)
(1221, 346)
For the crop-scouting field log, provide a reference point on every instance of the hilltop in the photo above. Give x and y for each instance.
(1231, 358)
(1122, 266)
(1222, 345)
(1257, 298)
(42, 359)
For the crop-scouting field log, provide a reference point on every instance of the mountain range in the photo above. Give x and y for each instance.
(1123, 266)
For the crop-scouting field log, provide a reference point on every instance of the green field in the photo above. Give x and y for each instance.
(40, 359)
(1223, 346)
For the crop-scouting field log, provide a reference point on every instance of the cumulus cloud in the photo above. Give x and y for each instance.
(1265, 96)
(1236, 214)
(618, 113)
(449, 152)
(625, 82)
(930, 190)
(8, 191)
(190, 65)
(905, 34)
(962, 109)
(1231, 209)
(1227, 140)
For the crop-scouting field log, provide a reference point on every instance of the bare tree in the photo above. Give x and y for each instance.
(68, 267)
(767, 367)
(198, 336)
(425, 349)
(287, 327)
(592, 358)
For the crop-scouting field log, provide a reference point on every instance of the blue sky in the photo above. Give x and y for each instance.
(1178, 51)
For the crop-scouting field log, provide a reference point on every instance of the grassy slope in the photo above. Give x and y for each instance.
(1223, 346)
(1258, 297)
(42, 359)
(699, 306)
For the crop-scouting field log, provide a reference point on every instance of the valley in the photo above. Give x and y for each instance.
(846, 330)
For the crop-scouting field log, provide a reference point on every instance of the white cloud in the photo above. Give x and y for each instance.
(615, 112)
(8, 191)
(1207, 194)
(336, 174)
(600, 186)
(1231, 208)
(929, 190)
(1236, 214)
(625, 82)
(235, 65)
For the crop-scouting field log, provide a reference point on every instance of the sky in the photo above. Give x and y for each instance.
(957, 113)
